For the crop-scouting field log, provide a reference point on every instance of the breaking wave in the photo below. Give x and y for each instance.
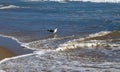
(50, 43)
(8, 7)
(103, 39)
(2, 7)
(98, 1)
(98, 47)
(53, 62)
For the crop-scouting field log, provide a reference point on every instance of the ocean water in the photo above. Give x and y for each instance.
(87, 30)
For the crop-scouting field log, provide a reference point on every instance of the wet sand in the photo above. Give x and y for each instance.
(5, 53)
(9, 47)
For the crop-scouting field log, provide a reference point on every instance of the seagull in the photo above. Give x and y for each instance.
(53, 30)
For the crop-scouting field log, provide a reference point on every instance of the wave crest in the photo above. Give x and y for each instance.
(49, 44)
(2, 7)
(98, 1)
(102, 39)
(8, 7)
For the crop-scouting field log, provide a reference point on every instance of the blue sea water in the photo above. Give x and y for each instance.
(72, 18)
(28, 22)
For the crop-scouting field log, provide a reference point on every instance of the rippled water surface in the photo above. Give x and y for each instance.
(88, 32)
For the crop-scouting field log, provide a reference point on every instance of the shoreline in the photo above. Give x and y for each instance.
(10, 48)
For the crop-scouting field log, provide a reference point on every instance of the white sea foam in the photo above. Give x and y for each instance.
(19, 42)
(88, 42)
(102, 33)
(2, 7)
(57, 44)
(98, 1)
(11, 37)
(51, 61)
(48, 44)
(8, 6)
(23, 44)
(15, 57)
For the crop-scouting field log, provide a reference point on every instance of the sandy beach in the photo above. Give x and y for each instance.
(10, 48)
(5, 53)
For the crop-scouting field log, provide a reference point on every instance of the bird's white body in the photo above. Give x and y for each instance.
(55, 30)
